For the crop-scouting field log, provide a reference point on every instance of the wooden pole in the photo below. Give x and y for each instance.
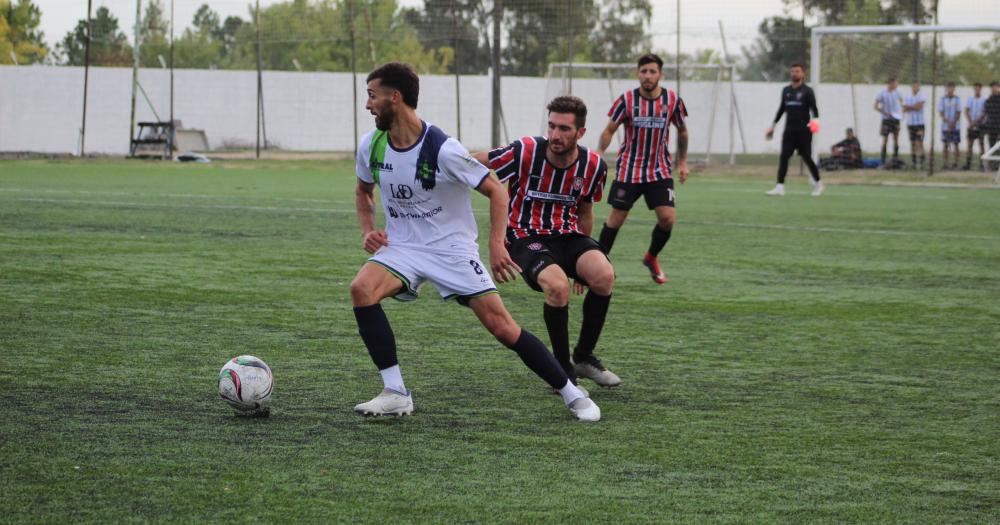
(354, 74)
(135, 70)
(257, 24)
(86, 77)
(497, 15)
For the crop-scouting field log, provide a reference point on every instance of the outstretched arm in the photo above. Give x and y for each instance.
(483, 157)
(503, 266)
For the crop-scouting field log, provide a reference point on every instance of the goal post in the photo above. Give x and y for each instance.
(599, 84)
(850, 64)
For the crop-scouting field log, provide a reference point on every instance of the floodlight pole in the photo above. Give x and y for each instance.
(497, 15)
(257, 24)
(569, 45)
(354, 74)
(135, 71)
(86, 77)
(678, 48)
(458, 86)
(172, 131)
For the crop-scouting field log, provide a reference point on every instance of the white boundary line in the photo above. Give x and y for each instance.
(848, 231)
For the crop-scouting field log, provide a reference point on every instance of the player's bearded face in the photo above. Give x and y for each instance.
(379, 104)
(796, 74)
(563, 133)
(649, 77)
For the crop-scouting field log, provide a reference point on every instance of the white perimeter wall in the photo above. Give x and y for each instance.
(41, 108)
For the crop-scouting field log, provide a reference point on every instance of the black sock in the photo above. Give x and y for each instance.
(538, 358)
(595, 311)
(375, 331)
(883, 154)
(557, 323)
(658, 240)
(607, 239)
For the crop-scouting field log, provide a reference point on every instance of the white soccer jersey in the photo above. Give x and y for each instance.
(437, 218)
(892, 103)
(976, 107)
(951, 108)
(915, 117)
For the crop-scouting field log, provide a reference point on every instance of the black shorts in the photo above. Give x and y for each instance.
(535, 253)
(624, 194)
(916, 133)
(974, 133)
(792, 141)
(890, 126)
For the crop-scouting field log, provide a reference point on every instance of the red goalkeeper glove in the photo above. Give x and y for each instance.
(814, 126)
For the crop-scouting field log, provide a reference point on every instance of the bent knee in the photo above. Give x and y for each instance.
(362, 293)
(603, 282)
(556, 293)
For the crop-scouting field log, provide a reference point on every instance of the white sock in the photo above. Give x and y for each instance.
(392, 378)
(570, 393)
(779, 186)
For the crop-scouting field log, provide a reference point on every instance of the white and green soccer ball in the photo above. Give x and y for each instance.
(246, 383)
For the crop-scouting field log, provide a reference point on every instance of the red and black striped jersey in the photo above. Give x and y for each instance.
(643, 156)
(544, 198)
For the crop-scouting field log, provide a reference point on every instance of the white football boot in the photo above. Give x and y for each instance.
(592, 368)
(584, 390)
(585, 409)
(818, 190)
(387, 403)
(778, 191)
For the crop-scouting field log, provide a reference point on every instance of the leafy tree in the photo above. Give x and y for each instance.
(108, 45)
(457, 24)
(779, 44)
(19, 34)
(154, 36)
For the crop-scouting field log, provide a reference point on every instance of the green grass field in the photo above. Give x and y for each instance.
(811, 360)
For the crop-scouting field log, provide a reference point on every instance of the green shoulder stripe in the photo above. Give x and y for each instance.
(377, 157)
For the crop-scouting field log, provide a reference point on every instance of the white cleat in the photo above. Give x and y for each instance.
(818, 190)
(387, 403)
(585, 409)
(592, 368)
(778, 191)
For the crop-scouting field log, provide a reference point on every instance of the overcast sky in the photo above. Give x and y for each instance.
(699, 18)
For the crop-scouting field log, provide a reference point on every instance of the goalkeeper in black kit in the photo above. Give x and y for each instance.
(799, 102)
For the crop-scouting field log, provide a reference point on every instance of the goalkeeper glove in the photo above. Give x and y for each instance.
(814, 126)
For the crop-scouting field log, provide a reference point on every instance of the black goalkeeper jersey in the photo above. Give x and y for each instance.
(799, 103)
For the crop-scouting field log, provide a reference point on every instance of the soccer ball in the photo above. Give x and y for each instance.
(246, 382)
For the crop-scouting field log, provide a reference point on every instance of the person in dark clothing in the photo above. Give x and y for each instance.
(844, 155)
(799, 102)
(992, 126)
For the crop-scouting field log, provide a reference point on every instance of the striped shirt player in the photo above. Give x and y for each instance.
(544, 199)
(645, 166)
(644, 155)
(951, 113)
(553, 183)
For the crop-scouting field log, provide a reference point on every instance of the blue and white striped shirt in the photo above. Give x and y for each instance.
(892, 104)
(976, 107)
(915, 117)
(951, 109)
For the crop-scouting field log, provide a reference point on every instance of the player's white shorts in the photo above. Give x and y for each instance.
(454, 276)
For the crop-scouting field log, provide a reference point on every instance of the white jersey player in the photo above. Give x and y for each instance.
(424, 181)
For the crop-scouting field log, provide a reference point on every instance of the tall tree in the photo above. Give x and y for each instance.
(154, 35)
(778, 45)
(108, 46)
(456, 24)
(19, 34)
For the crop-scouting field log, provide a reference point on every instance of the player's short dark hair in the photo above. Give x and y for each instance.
(977, 84)
(798, 65)
(401, 77)
(995, 83)
(890, 80)
(570, 104)
(650, 58)
(951, 83)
